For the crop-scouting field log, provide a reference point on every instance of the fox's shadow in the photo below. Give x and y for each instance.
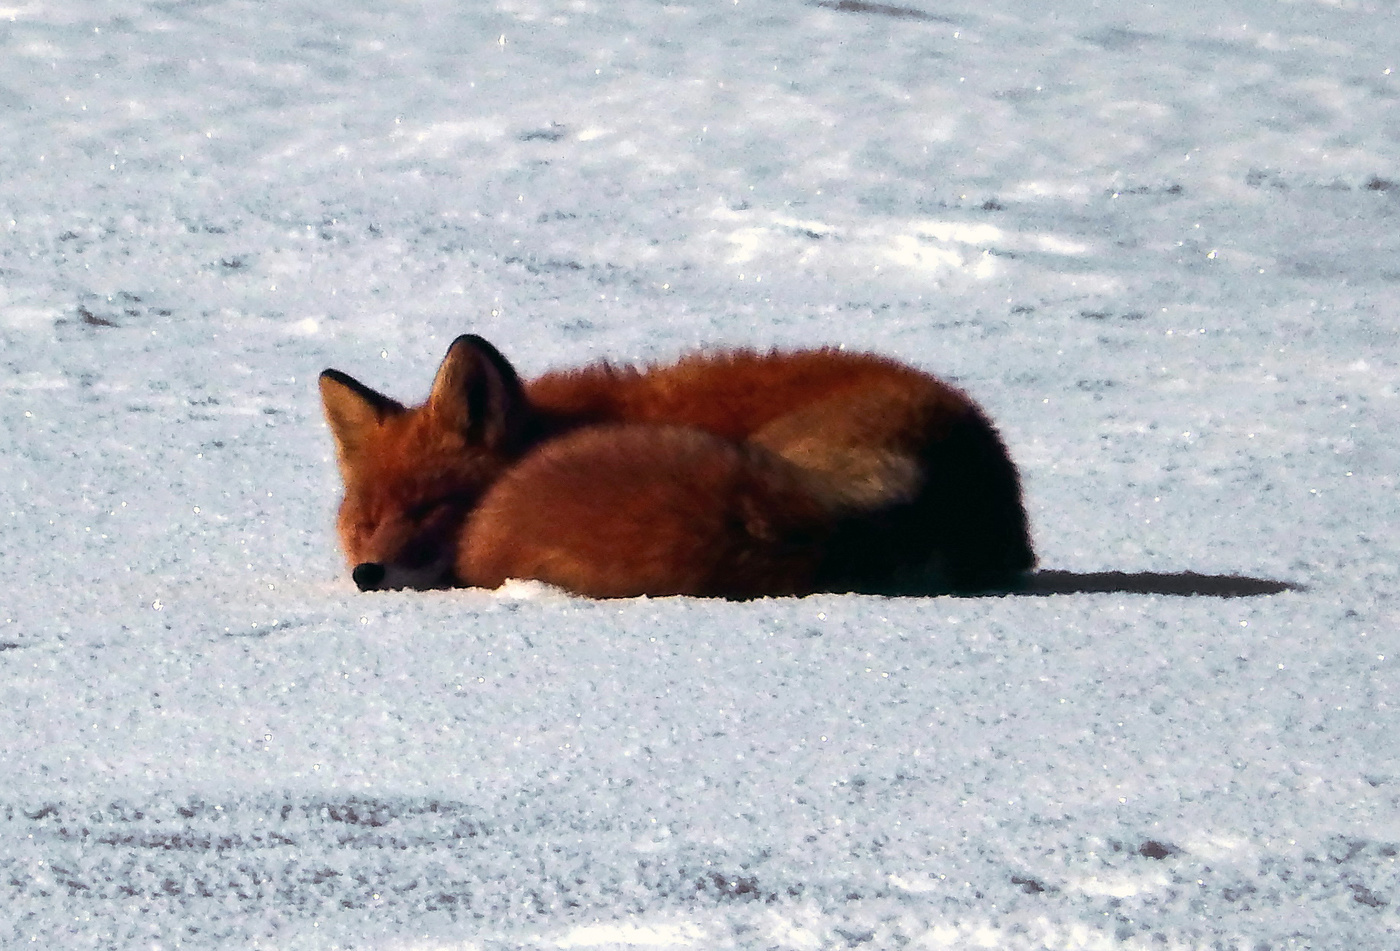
(1180, 584)
(1176, 584)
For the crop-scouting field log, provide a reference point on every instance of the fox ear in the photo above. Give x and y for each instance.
(476, 392)
(353, 410)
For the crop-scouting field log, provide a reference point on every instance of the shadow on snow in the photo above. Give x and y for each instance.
(1180, 584)
(1050, 582)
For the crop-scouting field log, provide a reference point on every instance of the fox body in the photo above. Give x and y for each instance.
(736, 474)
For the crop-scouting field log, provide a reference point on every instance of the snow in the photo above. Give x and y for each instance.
(1157, 242)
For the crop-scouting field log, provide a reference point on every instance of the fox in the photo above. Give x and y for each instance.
(734, 473)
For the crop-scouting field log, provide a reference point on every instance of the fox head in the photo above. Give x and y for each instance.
(412, 475)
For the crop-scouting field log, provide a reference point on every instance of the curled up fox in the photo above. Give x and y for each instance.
(732, 474)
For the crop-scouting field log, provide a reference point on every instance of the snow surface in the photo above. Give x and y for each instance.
(1160, 243)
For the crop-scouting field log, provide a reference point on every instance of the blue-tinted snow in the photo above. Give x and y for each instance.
(1159, 243)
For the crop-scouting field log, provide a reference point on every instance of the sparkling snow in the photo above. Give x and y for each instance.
(1160, 243)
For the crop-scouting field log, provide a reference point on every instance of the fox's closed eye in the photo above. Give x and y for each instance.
(423, 510)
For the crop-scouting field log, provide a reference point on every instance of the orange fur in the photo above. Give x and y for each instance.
(619, 511)
(734, 474)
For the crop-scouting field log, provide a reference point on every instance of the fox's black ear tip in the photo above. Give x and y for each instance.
(474, 342)
(468, 340)
(332, 376)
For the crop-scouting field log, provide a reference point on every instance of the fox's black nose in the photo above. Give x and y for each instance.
(367, 575)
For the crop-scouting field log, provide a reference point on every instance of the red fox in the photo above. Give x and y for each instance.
(735, 474)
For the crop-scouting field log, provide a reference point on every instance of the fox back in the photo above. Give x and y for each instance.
(818, 470)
